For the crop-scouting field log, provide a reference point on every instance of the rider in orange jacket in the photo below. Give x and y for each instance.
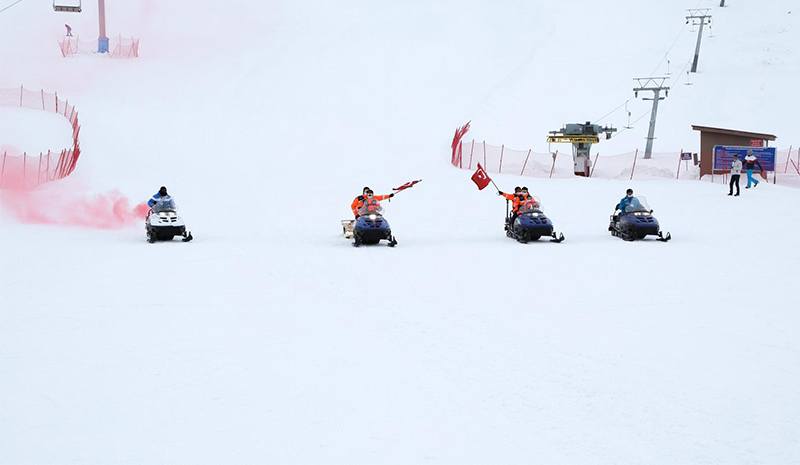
(358, 202)
(515, 198)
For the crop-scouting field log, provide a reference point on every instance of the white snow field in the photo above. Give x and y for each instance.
(269, 339)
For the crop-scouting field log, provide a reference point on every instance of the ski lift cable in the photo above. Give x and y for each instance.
(634, 122)
(651, 74)
(668, 50)
(612, 111)
(9, 6)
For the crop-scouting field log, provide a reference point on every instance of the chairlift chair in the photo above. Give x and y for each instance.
(69, 6)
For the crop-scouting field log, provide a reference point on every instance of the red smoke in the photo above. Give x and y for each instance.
(110, 210)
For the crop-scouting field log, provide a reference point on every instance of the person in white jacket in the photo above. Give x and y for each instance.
(736, 172)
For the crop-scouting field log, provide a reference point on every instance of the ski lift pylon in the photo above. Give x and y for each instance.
(69, 6)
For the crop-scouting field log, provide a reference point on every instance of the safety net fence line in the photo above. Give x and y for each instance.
(626, 166)
(559, 164)
(23, 171)
(120, 47)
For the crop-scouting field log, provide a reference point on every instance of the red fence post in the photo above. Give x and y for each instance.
(20, 95)
(471, 149)
(3, 169)
(526, 162)
(39, 171)
(634, 162)
(56, 102)
(788, 156)
(553, 168)
(502, 149)
(42, 99)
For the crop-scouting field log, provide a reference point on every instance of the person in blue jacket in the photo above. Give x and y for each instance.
(627, 201)
(161, 193)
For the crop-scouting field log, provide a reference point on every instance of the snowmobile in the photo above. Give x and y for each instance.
(370, 227)
(636, 222)
(530, 223)
(163, 223)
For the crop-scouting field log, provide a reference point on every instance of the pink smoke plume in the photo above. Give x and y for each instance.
(110, 210)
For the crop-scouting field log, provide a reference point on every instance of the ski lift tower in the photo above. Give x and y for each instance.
(581, 136)
(74, 6)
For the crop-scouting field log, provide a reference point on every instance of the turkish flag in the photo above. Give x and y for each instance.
(481, 178)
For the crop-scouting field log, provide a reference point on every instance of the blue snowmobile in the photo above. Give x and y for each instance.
(530, 223)
(371, 227)
(636, 222)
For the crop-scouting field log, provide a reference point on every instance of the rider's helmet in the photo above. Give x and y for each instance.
(524, 189)
(364, 191)
(163, 191)
(517, 190)
(368, 192)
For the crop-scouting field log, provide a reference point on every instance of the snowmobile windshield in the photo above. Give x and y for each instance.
(638, 204)
(530, 206)
(165, 204)
(370, 207)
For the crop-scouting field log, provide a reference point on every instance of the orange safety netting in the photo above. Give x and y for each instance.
(26, 171)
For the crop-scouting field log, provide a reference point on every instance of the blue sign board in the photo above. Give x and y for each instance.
(723, 156)
(686, 155)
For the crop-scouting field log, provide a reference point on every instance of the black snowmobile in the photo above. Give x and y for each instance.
(530, 223)
(163, 223)
(636, 222)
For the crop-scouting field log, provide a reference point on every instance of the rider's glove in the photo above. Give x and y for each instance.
(499, 192)
(391, 195)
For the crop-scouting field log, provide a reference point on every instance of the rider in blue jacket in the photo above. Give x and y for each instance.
(161, 193)
(626, 201)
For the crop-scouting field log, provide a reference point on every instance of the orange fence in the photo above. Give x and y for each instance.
(559, 164)
(120, 47)
(26, 171)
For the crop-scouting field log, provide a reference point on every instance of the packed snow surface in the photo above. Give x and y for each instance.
(269, 339)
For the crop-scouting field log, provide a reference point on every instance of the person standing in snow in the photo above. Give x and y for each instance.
(749, 161)
(161, 193)
(736, 172)
(367, 194)
(69, 30)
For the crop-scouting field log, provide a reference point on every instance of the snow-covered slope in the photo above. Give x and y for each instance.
(269, 339)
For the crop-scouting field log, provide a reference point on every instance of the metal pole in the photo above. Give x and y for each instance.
(502, 149)
(697, 49)
(102, 40)
(650, 134)
(634, 162)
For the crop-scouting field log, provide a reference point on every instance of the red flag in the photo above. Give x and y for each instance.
(481, 178)
(407, 185)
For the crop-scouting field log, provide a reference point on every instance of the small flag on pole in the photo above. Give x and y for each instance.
(407, 185)
(481, 178)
